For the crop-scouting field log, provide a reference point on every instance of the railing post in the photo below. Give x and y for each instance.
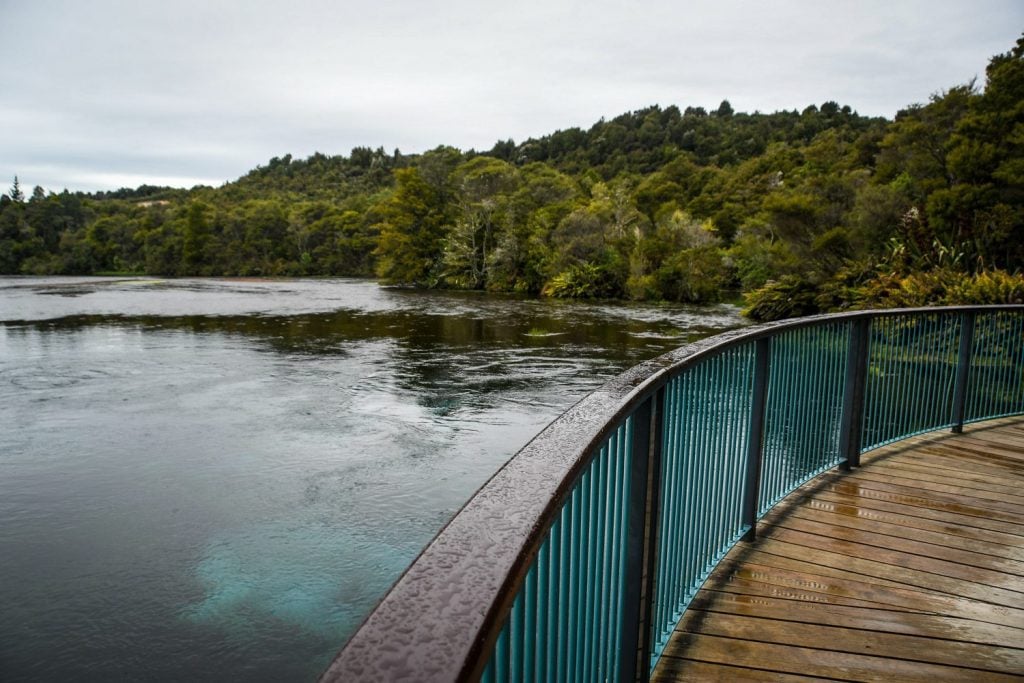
(963, 370)
(852, 422)
(641, 541)
(755, 441)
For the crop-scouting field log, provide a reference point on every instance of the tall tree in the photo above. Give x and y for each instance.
(16, 193)
(484, 185)
(412, 231)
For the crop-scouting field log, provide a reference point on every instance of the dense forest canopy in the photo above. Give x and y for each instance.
(807, 211)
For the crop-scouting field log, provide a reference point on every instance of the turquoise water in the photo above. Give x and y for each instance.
(217, 479)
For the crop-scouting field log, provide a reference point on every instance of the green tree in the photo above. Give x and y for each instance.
(16, 194)
(412, 230)
(544, 196)
(983, 209)
(196, 240)
(484, 185)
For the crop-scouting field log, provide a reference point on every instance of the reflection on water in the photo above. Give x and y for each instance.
(209, 479)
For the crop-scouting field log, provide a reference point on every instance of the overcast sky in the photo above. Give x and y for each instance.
(104, 94)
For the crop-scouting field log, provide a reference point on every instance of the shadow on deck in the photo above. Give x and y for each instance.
(909, 568)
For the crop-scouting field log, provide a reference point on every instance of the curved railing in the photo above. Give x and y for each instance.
(577, 559)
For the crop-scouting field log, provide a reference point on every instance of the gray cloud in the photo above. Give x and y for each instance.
(106, 93)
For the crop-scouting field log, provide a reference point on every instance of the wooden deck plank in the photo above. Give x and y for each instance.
(920, 599)
(833, 638)
(860, 588)
(744, 586)
(974, 582)
(989, 500)
(929, 500)
(935, 626)
(670, 669)
(950, 588)
(967, 522)
(827, 664)
(935, 470)
(904, 544)
(959, 466)
(966, 481)
(911, 568)
(815, 512)
(997, 541)
(872, 594)
(986, 504)
(1006, 461)
(763, 555)
(1003, 441)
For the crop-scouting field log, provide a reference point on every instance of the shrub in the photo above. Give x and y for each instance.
(788, 297)
(583, 281)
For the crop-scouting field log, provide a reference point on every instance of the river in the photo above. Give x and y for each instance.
(210, 479)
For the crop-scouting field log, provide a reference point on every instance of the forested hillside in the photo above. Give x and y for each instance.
(821, 209)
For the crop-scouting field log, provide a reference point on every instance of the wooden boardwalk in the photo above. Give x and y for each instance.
(910, 568)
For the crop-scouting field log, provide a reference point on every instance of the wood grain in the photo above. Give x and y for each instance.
(910, 568)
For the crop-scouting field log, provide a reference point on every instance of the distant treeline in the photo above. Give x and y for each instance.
(806, 211)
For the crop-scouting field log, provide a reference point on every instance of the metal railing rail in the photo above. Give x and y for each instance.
(578, 558)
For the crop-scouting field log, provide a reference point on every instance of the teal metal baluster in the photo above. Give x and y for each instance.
(593, 562)
(611, 560)
(575, 581)
(737, 469)
(905, 416)
(885, 409)
(699, 435)
(796, 428)
(774, 414)
(673, 538)
(934, 411)
(677, 536)
(843, 340)
(516, 632)
(585, 568)
(903, 408)
(615, 580)
(685, 554)
(564, 591)
(717, 459)
(603, 558)
(666, 522)
(885, 385)
(739, 419)
(501, 656)
(897, 386)
(981, 366)
(622, 533)
(607, 554)
(871, 394)
(594, 573)
(556, 600)
(937, 412)
(529, 625)
(488, 675)
(734, 472)
(542, 612)
(665, 513)
(819, 401)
